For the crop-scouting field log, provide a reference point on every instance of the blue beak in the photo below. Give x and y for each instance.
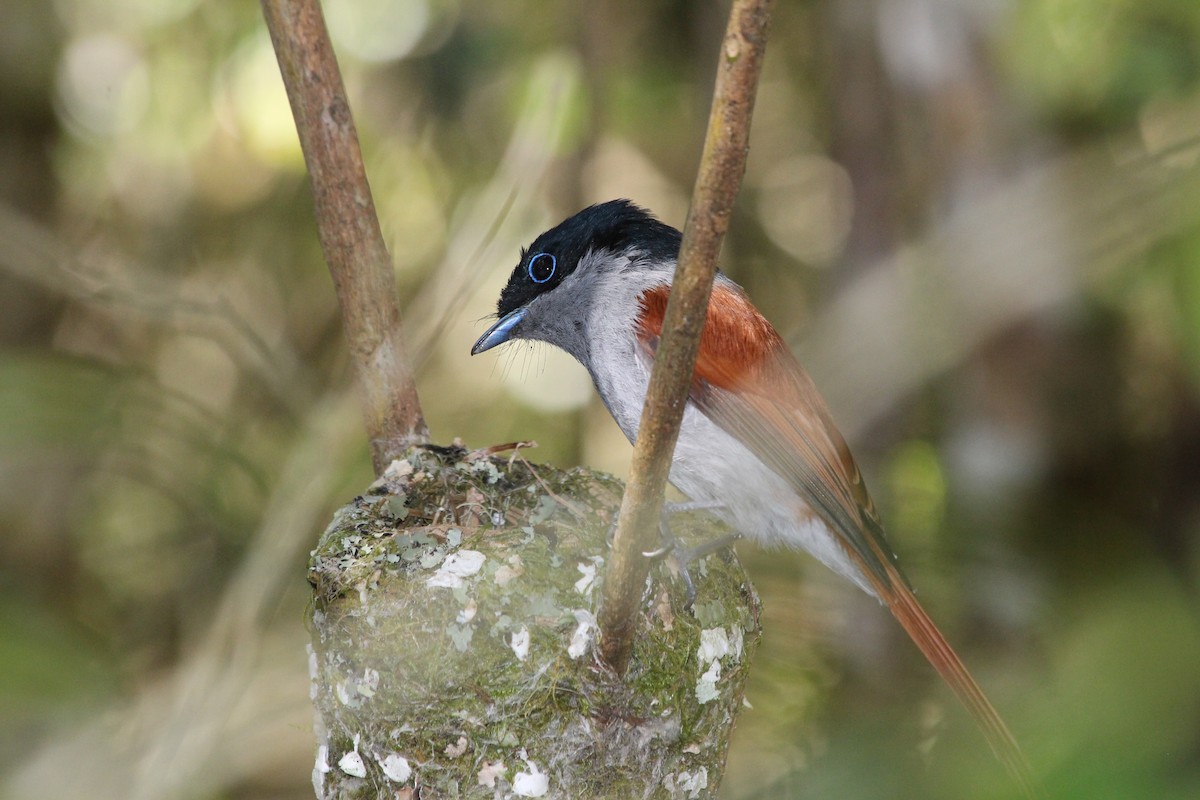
(500, 332)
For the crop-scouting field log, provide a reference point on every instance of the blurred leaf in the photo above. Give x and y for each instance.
(1121, 712)
(1186, 274)
(918, 491)
(46, 662)
(53, 400)
(1095, 63)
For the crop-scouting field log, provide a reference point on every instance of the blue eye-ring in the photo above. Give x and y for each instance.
(541, 267)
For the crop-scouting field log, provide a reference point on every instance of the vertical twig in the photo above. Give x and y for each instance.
(348, 227)
(722, 166)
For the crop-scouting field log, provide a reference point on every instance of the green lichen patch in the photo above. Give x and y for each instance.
(453, 642)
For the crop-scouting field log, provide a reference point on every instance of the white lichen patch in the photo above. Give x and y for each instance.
(582, 637)
(531, 782)
(322, 763)
(460, 636)
(706, 687)
(690, 784)
(714, 645)
(321, 768)
(546, 506)
(588, 582)
(352, 764)
(351, 691)
(737, 641)
(488, 470)
(459, 565)
(520, 643)
(313, 673)
(395, 768)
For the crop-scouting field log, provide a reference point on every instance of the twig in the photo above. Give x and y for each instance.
(348, 227)
(575, 510)
(722, 166)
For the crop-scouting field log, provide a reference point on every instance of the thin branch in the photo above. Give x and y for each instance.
(348, 227)
(722, 166)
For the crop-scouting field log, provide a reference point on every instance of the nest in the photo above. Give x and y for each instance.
(454, 633)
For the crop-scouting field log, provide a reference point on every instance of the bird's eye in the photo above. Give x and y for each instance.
(541, 267)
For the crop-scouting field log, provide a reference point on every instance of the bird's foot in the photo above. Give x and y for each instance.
(681, 557)
(671, 548)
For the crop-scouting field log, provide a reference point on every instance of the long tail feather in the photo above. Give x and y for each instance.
(925, 634)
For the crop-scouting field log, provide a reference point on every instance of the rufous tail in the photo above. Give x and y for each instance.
(912, 617)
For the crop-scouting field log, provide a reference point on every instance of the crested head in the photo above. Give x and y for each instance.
(617, 227)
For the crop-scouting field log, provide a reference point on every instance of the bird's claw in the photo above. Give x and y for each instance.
(660, 552)
(683, 556)
(671, 548)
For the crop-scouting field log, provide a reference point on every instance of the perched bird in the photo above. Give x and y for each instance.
(757, 442)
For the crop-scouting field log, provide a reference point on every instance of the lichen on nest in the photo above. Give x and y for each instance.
(453, 632)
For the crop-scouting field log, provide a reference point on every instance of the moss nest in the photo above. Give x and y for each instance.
(454, 632)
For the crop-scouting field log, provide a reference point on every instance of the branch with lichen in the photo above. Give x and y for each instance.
(348, 227)
(722, 165)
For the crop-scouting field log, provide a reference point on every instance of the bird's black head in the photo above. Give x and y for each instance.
(616, 233)
(617, 226)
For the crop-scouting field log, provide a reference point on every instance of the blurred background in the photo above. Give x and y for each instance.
(977, 221)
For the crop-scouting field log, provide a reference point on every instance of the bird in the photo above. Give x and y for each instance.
(757, 444)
